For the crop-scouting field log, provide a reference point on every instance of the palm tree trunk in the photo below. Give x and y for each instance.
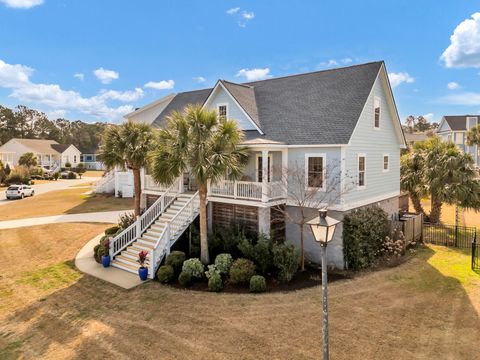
(417, 204)
(204, 256)
(302, 250)
(137, 189)
(436, 210)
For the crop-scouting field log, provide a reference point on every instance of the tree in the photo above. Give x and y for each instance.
(473, 136)
(128, 146)
(443, 171)
(80, 170)
(28, 160)
(207, 146)
(3, 175)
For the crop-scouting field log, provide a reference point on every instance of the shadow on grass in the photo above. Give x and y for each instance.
(100, 202)
(99, 320)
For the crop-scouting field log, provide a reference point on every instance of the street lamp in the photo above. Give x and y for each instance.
(323, 229)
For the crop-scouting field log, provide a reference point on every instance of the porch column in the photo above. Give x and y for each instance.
(265, 192)
(264, 221)
(285, 169)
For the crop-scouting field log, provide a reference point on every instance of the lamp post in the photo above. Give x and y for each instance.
(323, 229)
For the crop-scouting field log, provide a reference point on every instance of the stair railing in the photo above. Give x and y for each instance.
(172, 231)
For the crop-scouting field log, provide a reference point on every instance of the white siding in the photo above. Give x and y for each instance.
(73, 155)
(148, 115)
(17, 148)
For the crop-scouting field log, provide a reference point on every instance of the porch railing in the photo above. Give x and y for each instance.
(247, 190)
(151, 184)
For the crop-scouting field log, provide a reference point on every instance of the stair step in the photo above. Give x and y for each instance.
(126, 267)
(149, 236)
(141, 247)
(128, 261)
(144, 241)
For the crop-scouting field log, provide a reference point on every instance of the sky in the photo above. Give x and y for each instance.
(99, 60)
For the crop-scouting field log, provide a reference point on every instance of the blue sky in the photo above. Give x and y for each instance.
(97, 60)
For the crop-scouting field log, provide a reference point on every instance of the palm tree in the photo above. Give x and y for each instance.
(473, 136)
(198, 141)
(410, 122)
(411, 178)
(128, 146)
(28, 160)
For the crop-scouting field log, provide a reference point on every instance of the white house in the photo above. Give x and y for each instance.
(50, 154)
(455, 127)
(343, 119)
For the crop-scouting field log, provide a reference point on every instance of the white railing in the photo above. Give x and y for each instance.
(150, 184)
(104, 181)
(248, 190)
(172, 231)
(134, 231)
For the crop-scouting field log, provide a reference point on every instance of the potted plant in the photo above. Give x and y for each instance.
(106, 258)
(142, 270)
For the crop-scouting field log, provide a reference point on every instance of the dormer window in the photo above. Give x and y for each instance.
(376, 110)
(222, 111)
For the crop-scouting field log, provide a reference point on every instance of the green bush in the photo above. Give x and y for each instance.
(364, 232)
(100, 250)
(20, 175)
(71, 175)
(260, 253)
(241, 271)
(165, 273)
(223, 262)
(215, 282)
(68, 165)
(224, 240)
(112, 230)
(95, 254)
(56, 175)
(257, 284)
(193, 267)
(126, 219)
(175, 259)
(184, 279)
(286, 259)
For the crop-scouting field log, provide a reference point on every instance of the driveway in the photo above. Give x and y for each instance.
(52, 186)
(100, 217)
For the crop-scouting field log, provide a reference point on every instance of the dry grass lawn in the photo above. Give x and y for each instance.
(93, 173)
(427, 308)
(71, 201)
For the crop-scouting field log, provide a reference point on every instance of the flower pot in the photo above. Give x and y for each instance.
(143, 273)
(106, 260)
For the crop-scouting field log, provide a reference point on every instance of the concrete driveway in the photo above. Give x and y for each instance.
(51, 186)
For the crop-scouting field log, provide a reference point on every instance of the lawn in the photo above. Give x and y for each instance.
(93, 173)
(427, 308)
(71, 201)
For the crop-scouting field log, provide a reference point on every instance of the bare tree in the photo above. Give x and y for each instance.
(312, 190)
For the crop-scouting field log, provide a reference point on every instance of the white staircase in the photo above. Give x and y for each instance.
(106, 184)
(155, 231)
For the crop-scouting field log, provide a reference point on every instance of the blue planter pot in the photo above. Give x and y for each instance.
(106, 260)
(143, 273)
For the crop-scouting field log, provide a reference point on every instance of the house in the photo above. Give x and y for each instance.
(342, 118)
(50, 154)
(90, 158)
(455, 127)
(413, 138)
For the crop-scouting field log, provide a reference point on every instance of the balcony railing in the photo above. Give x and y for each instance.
(248, 190)
(150, 184)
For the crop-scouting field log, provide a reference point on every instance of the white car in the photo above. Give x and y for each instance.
(19, 191)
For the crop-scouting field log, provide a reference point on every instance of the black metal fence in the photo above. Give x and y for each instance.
(475, 255)
(449, 235)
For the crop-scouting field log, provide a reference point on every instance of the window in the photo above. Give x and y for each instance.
(260, 168)
(376, 110)
(315, 171)
(386, 162)
(459, 138)
(222, 111)
(74, 158)
(361, 170)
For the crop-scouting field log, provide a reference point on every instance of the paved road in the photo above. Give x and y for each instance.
(100, 217)
(51, 186)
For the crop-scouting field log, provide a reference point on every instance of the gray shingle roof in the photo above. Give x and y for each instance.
(60, 147)
(321, 107)
(458, 122)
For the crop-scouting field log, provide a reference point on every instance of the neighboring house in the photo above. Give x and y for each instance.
(455, 127)
(90, 159)
(344, 118)
(413, 138)
(50, 154)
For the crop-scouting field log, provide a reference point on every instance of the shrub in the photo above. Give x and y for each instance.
(68, 165)
(286, 259)
(101, 249)
(126, 219)
(223, 262)
(257, 284)
(184, 279)
(241, 271)
(260, 253)
(165, 273)
(111, 230)
(175, 259)
(19, 175)
(71, 175)
(212, 270)
(97, 258)
(224, 240)
(215, 282)
(56, 175)
(364, 232)
(193, 267)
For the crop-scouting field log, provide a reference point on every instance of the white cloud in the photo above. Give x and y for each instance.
(247, 15)
(347, 60)
(56, 114)
(124, 96)
(464, 48)
(233, 10)
(105, 76)
(14, 75)
(326, 64)
(79, 76)
(465, 98)
(399, 78)
(22, 4)
(199, 79)
(453, 85)
(428, 116)
(160, 85)
(255, 74)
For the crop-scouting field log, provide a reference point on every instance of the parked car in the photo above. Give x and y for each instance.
(19, 191)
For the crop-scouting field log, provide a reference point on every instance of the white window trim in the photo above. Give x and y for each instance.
(375, 99)
(270, 170)
(364, 186)
(228, 110)
(313, 155)
(383, 163)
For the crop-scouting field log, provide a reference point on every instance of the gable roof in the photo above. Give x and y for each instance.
(60, 147)
(457, 122)
(320, 107)
(42, 146)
